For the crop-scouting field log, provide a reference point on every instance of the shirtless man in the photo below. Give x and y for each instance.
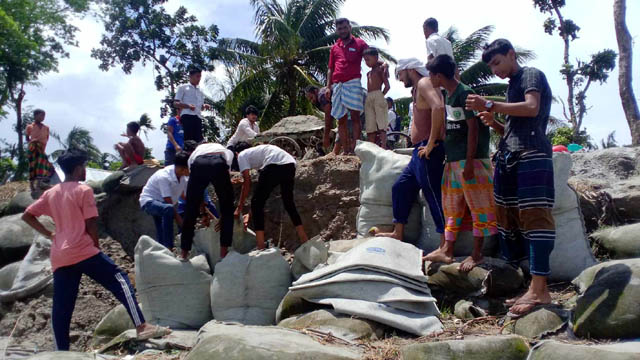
(427, 162)
(132, 152)
(375, 106)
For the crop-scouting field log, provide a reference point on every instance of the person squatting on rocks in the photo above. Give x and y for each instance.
(277, 168)
(189, 100)
(37, 133)
(209, 163)
(75, 250)
(131, 152)
(375, 107)
(247, 129)
(523, 181)
(427, 161)
(467, 186)
(175, 139)
(161, 193)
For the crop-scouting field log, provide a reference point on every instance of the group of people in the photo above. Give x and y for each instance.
(511, 196)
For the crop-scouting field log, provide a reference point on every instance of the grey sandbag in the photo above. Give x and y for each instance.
(339, 325)
(553, 350)
(207, 241)
(172, 293)
(248, 288)
(16, 237)
(8, 274)
(309, 255)
(486, 348)
(621, 242)
(34, 273)
(608, 306)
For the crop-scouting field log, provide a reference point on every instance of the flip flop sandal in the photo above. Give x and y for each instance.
(156, 332)
(511, 302)
(536, 306)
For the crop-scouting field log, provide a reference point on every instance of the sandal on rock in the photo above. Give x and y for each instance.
(156, 331)
(532, 306)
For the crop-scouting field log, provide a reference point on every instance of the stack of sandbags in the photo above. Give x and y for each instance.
(379, 280)
(172, 293)
(206, 242)
(30, 276)
(248, 288)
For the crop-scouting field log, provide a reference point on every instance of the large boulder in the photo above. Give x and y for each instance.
(237, 342)
(620, 242)
(21, 201)
(34, 273)
(342, 326)
(608, 183)
(486, 348)
(608, 305)
(553, 350)
(16, 237)
(248, 288)
(172, 293)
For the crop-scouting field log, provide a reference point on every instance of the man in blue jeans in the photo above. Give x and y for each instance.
(161, 193)
(425, 169)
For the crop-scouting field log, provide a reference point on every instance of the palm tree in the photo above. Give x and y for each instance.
(78, 139)
(292, 52)
(146, 124)
(611, 141)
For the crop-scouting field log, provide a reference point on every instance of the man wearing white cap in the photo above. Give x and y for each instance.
(425, 169)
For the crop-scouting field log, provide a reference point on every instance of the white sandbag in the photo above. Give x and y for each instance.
(309, 255)
(418, 324)
(172, 293)
(571, 253)
(8, 274)
(379, 171)
(382, 254)
(248, 288)
(34, 273)
(381, 216)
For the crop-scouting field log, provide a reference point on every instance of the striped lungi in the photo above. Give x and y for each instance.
(346, 96)
(39, 165)
(524, 193)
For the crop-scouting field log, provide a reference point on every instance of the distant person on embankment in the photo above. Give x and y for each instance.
(75, 250)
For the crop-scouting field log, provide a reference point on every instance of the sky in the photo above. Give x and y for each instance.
(81, 94)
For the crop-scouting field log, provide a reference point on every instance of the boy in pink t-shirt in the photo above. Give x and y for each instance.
(75, 250)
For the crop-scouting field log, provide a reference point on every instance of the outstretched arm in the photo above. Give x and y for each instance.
(527, 108)
(246, 188)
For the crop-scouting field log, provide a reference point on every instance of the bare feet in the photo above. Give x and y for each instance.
(470, 262)
(438, 256)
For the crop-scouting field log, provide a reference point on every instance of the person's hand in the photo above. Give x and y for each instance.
(475, 102)
(467, 173)
(487, 118)
(245, 221)
(206, 107)
(178, 148)
(192, 107)
(425, 151)
(237, 180)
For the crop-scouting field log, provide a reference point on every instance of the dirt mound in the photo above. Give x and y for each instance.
(28, 322)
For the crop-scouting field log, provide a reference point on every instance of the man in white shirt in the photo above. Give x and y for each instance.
(161, 193)
(190, 100)
(436, 44)
(208, 164)
(247, 129)
(392, 120)
(277, 168)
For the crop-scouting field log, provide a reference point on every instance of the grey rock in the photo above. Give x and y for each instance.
(16, 237)
(608, 305)
(21, 201)
(341, 326)
(486, 348)
(552, 350)
(238, 342)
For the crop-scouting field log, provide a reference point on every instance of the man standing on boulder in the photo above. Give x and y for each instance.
(189, 101)
(523, 181)
(427, 162)
(343, 80)
(208, 164)
(75, 251)
(467, 187)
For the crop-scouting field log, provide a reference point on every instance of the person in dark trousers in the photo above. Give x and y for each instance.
(523, 179)
(75, 251)
(160, 194)
(208, 164)
(190, 101)
(277, 168)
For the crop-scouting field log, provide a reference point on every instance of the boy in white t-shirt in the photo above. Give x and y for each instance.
(276, 167)
(247, 129)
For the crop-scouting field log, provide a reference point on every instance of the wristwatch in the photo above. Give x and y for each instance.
(489, 104)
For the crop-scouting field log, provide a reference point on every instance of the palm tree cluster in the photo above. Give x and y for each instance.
(292, 51)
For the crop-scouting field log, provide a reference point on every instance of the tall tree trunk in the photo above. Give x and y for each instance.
(570, 78)
(293, 94)
(21, 156)
(629, 103)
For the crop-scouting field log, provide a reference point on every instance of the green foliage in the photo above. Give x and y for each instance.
(564, 135)
(7, 168)
(115, 165)
(94, 165)
(79, 139)
(292, 51)
(142, 31)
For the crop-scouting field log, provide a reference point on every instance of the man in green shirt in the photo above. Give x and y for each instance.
(467, 183)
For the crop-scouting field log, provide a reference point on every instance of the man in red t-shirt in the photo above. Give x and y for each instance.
(343, 80)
